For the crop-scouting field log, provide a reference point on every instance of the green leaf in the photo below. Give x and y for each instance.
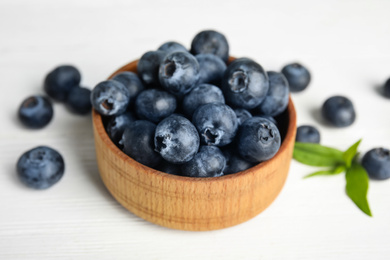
(350, 153)
(334, 171)
(357, 186)
(317, 155)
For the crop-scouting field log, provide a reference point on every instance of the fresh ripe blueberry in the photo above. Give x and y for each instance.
(41, 167)
(212, 42)
(79, 100)
(179, 73)
(377, 163)
(138, 143)
(110, 98)
(60, 81)
(131, 82)
(117, 125)
(245, 84)
(276, 100)
(234, 163)
(208, 162)
(35, 112)
(176, 139)
(171, 46)
(307, 134)
(242, 115)
(258, 139)
(216, 123)
(148, 67)
(339, 111)
(200, 95)
(155, 105)
(169, 168)
(211, 67)
(298, 76)
(387, 88)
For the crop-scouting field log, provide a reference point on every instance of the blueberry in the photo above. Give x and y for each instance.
(171, 46)
(200, 95)
(258, 139)
(138, 143)
(270, 118)
(208, 162)
(148, 67)
(298, 76)
(170, 168)
(387, 88)
(307, 134)
(131, 82)
(377, 163)
(179, 73)
(216, 123)
(35, 112)
(117, 125)
(155, 105)
(234, 163)
(79, 100)
(339, 111)
(276, 100)
(242, 115)
(40, 167)
(245, 84)
(212, 42)
(60, 81)
(211, 67)
(176, 139)
(110, 98)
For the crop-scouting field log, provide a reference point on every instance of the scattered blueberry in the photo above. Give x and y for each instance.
(298, 76)
(242, 115)
(377, 163)
(79, 100)
(200, 95)
(307, 134)
(216, 123)
(117, 125)
(110, 98)
(258, 139)
(179, 73)
(35, 112)
(154, 105)
(176, 139)
(245, 84)
(387, 88)
(148, 67)
(211, 67)
(137, 141)
(339, 111)
(41, 167)
(208, 162)
(131, 82)
(234, 163)
(212, 42)
(171, 46)
(60, 81)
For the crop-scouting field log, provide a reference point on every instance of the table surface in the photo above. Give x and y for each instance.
(344, 43)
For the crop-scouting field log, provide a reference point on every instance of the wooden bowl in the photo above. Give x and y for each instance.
(193, 203)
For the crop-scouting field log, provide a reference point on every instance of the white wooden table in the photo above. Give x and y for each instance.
(346, 45)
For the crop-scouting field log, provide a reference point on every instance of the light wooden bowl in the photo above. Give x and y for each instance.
(193, 203)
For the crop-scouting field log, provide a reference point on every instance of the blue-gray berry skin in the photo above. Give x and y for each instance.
(297, 75)
(148, 67)
(138, 143)
(211, 67)
(258, 140)
(308, 134)
(110, 98)
(208, 162)
(245, 84)
(339, 111)
(35, 112)
(176, 139)
(216, 123)
(40, 167)
(276, 100)
(117, 124)
(387, 88)
(170, 168)
(212, 42)
(60, 81)
(172, 46)
(79, 100)
(242, 115)
(234, 162)
(200, 95)
(155, 105)
(132, 82)
(179, 73)
(377, 163)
